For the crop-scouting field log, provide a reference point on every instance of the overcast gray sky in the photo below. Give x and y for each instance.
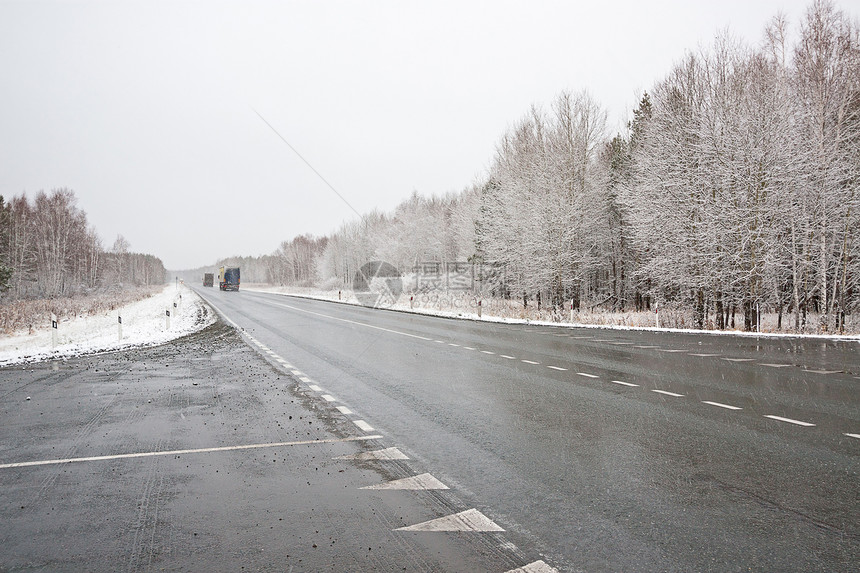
(146, 109)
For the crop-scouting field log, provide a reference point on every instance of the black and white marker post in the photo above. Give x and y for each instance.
(53, 331)
(119, 325)
(167, 319)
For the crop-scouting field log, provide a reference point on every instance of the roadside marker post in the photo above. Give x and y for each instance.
(411, 302)
(167, 318)
(479, 309)
(53, 331)
(119, 325)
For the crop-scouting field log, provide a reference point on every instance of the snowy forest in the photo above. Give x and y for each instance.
(733, 191)
(48, 250)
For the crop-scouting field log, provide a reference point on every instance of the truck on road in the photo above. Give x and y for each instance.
(228, 278)
(208, 279)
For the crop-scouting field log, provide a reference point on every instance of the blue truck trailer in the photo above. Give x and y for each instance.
(228, 278)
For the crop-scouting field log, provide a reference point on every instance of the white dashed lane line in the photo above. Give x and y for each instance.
(558, 368)
(625, 383)
(328, 397)
(705, 355)
(344, 410)
(508, 357)
(790, 421)
(468, 348)
(585, 374)
(487, 352)
(775, 365)
(529, 361)
(315, 388)
(673, 394)
(739, 359)
(853, 436)
(363, 425)
(719, 405)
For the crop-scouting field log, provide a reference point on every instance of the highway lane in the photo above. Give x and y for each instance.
(607, 450)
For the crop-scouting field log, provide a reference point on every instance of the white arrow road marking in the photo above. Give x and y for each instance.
(726, 406)
(419, 482)
(386, 454)
(469, 520)
(790, 421)
(536, 567)
(181, 452)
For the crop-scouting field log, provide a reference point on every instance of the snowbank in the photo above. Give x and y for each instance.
(469, 312)
(143, 324)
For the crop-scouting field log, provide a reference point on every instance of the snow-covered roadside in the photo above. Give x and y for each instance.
(402, 305)
(143, 324)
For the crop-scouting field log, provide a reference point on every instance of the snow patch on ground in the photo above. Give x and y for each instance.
(402, 305)
(143, 324)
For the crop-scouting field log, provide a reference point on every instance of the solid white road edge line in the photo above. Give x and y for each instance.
(193, 451)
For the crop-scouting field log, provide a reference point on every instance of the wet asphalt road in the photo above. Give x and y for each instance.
(602, 450)
(201, 455)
